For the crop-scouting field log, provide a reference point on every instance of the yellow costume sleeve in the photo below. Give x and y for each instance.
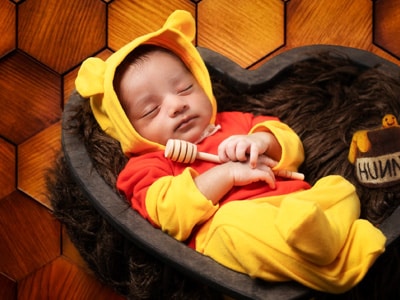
(176, 205)
(292, 147)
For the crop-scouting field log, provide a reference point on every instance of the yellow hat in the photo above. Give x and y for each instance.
(95, 80)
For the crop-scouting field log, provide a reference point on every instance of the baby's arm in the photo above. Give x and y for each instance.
(249, 147)
(217, 181)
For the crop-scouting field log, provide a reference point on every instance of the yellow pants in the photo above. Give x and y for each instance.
(312, 236)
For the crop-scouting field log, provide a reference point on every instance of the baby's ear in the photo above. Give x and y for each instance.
(183, 22)
(90, 79)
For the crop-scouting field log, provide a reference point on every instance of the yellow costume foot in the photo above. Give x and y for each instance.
(315, 223)
(304, 226)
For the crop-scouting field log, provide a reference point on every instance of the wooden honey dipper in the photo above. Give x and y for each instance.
(186, 152)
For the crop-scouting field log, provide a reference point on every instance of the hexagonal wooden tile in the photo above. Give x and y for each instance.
(61, 33)
(7, 28)
(69, 83)
(30, 97)
(35, 156)
(387, 25)
(7, 168)
(125, 18)
(61, 279)
(8, 287)
(30, 236)
(337, 21)
(244, 31)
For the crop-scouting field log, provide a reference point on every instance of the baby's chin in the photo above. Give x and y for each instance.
(191, 137)
(195, 136)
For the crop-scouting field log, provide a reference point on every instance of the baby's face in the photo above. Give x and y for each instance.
(163, 100)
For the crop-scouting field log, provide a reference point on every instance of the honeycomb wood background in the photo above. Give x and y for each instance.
(41, 47)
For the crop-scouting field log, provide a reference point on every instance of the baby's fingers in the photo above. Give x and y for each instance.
(232, 149)
(267, 161)
(253, 156)
(269, 178)
(222, 152)
(267, 175)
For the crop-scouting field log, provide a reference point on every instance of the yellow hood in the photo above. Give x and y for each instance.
(95, 80)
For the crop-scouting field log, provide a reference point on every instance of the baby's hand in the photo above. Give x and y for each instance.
(242, 173)
(245, 147)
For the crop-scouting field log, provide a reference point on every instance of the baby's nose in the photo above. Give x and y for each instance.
(177, 106)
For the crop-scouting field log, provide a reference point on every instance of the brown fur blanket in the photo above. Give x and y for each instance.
(324, 99)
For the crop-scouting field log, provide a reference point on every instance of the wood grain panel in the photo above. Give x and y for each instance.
(387, 25)
(244, 31)
(7, 168)
(35, 156)
(338, 22)
(8, 288)
(61, 33)
(129, 19)
(63, 280)
(30, 236)
(7, 27)
(30, 97)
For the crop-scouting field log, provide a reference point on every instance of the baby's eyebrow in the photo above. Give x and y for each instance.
(143, 99)
(177, 77)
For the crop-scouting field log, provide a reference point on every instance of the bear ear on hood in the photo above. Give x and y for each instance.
(90, 79)
(182, 22)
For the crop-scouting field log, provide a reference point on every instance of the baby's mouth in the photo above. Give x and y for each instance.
(186, 121)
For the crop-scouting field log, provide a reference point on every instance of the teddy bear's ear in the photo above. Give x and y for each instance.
(90, 79)
(183, 22)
